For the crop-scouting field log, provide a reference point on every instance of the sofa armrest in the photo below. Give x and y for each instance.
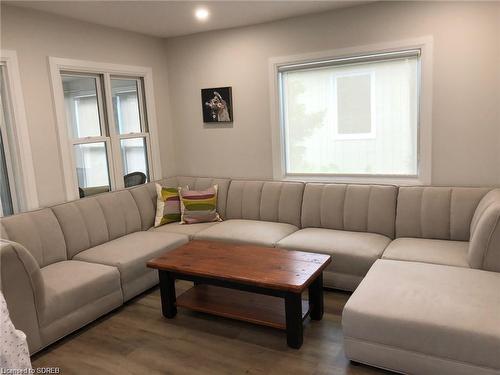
(22, 286)
(484, 247)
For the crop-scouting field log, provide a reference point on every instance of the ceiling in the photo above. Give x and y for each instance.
(174, 18)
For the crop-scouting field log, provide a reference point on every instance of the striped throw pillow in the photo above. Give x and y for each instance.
(168, 208)
(199, 206)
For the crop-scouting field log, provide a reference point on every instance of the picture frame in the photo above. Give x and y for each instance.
(217, 104)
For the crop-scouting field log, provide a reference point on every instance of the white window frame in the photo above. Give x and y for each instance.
(335, 120)
(424, 161)
(59, 65)
(21, 173)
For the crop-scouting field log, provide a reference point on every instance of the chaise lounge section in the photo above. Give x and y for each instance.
(432, 304)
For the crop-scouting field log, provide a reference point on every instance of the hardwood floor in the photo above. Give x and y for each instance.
(136, 339)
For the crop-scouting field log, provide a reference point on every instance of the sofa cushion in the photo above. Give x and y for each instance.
(189, 230)
(39, 232)
(451, 313)
(145, 198)
(198, 206)
(442, 213)
(484, 250)
(265, 200)
(361, 208)
(451, 253)
(352, 253)
(121, 213)
(70, 285)
(247, 231)
(131, 252)
(168, 209)
(83, 224)
(202, 183)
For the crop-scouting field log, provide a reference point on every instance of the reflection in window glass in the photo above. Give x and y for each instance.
(82, 111)
(6, 204)
(354, 112)
(126, 105)
(5, 196)
(134, 161)
(92, 167)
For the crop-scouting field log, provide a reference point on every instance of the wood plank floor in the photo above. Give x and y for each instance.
(136, 339)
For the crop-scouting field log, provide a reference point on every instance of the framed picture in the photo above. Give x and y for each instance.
(217, 104)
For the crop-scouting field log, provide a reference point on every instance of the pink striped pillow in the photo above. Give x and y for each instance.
(199, 206)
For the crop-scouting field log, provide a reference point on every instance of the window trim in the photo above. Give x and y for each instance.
(277, 64)
(107, 70)
(25, 190)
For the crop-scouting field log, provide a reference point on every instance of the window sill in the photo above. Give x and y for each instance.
(386, 180)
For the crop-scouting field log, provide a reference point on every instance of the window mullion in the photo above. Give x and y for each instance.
(114, 154)
(79, 141)
(142, 107)
(149, 156)
(132, 135)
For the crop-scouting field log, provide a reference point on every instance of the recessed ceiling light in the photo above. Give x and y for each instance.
(201, 14)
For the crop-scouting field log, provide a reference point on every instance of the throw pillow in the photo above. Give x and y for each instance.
(199, 206)
(167, 205)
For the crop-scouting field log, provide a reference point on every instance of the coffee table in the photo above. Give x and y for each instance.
(245, 282)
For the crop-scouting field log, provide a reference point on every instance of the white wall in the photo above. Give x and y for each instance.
(35, 36)
(466, 100)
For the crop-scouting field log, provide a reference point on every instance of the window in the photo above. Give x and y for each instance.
(17, 187)
(351, 117)
(107, 123)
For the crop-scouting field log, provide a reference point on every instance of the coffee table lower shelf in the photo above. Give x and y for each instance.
(236, 304)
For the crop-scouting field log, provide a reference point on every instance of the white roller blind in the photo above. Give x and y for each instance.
(355, 116)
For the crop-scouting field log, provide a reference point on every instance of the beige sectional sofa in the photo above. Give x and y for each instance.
(410, 250)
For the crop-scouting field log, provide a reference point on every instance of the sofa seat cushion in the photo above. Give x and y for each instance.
(130, 253)
(187, 229)
(451, 313)
(451, 253)
(71, 284)
(353, 253)
(256, 232)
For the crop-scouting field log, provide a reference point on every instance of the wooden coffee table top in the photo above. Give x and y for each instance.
(254, 265)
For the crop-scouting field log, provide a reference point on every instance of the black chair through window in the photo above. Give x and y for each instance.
(134, 178)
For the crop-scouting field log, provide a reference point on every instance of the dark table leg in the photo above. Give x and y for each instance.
(293, 311)
(316, 298)
(167, 291)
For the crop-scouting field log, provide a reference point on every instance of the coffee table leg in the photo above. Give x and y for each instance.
(316, 298)
(293, 311)
(167, 291)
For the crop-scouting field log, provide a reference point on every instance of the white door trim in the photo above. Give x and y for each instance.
(28, 196)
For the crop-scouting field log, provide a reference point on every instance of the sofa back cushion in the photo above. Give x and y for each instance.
(265, 200)
(91, 221)
(145, 199)
(362, 208)
(484, 247)
(39, 232)
(442, 213)
(83, 224)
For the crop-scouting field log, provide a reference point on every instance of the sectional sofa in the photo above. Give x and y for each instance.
(423, 262)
